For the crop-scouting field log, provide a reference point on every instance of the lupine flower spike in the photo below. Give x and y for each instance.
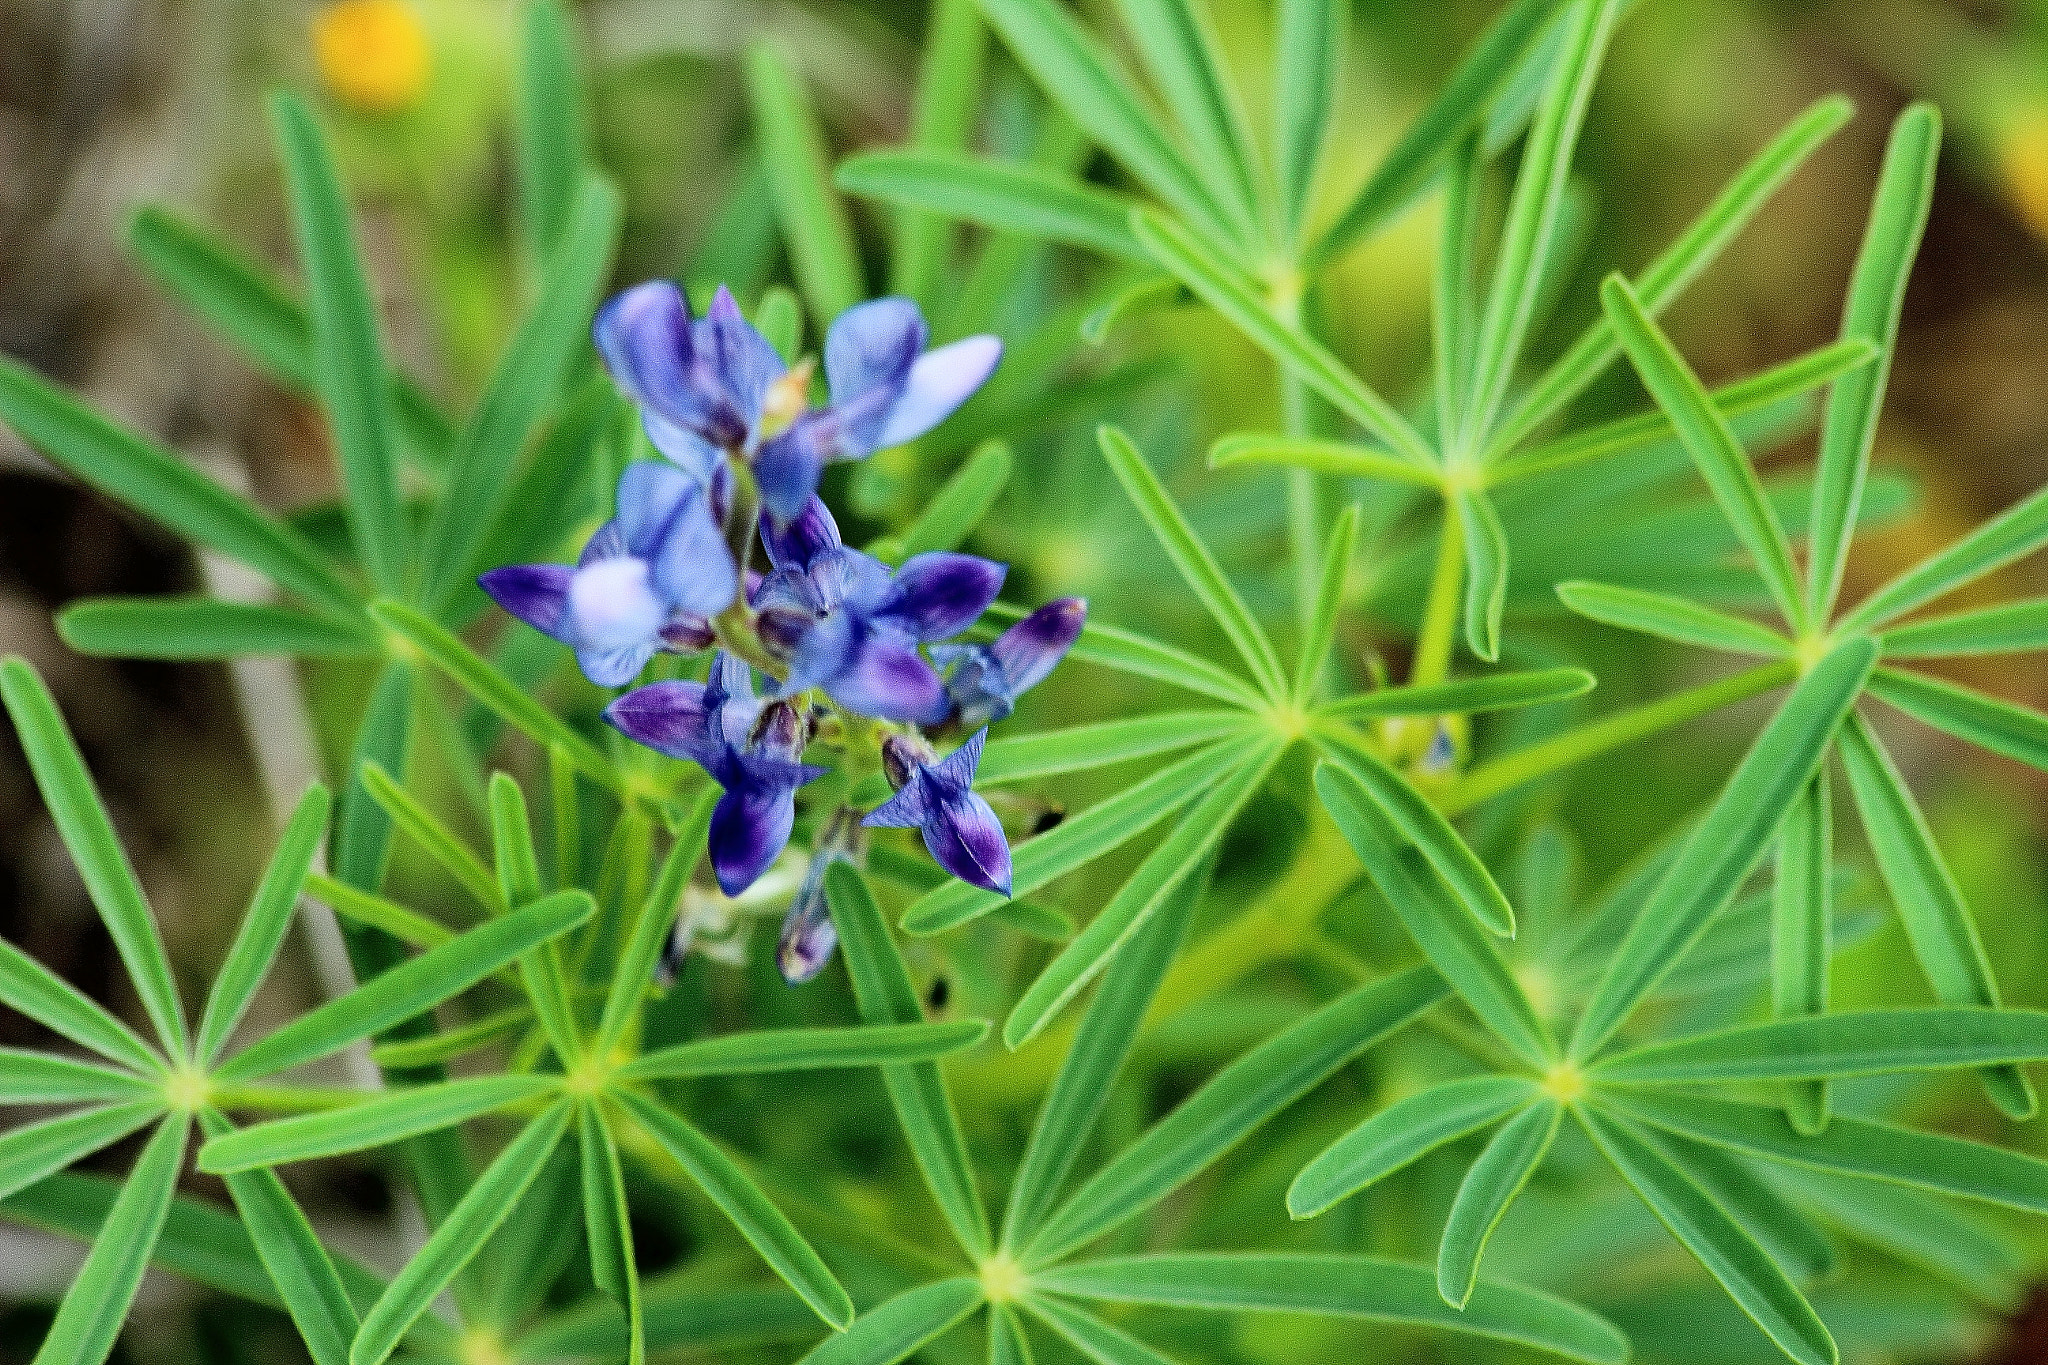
(649, 579)
(984, 681)
(936, 797)
(845, 623)
(751, 747)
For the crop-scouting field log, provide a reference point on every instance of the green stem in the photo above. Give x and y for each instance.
(1489, 780)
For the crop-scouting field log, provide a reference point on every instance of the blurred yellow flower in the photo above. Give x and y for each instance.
(372, 54)
(2024, 165)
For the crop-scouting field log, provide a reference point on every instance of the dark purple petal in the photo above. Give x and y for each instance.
(794, 543)
(967, 840)
(907, 809)
(644, 336)
(953, 775)
(537, 594)
(1028, 650)
(887, 678)
(787, 466)
(749, 829)
(939, 382)
(940, 594)
(872, 346)
(669, 717)
(741, 358)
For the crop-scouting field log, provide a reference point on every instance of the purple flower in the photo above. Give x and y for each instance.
(714, 387)
(650, 579)
(937, 799)
(749, 746)
(984, 681)
(850, 626)
(808, 935)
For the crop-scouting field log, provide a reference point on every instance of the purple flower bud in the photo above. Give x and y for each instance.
(937, 799)
(808, 934)
(984, 681)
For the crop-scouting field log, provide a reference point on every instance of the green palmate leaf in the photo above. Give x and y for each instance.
(160, 486)
(203, 628)
(1758, 393)
(1710, 441)
(1671, 618)
(89, 836)
(2013, 628)
(2018, 531)
(1199, 831)
(90, 1317)
(1491, 1184)
(917, 1091)
(1732, 1182)
(1348, 1286)
(362, 831)
(1197, 565)
(1729, 841)
(1439, 921)
(1931, 906)
(263, 929)
(1877, 292)
(1128, 652)
(348, 359)
(1401, 1133)
(944, 113)
(1465, 696)
(550, 146)
(1180, 53)
(1921, 1230)
(895, 1329)
(1429, 833)
(360, 907)
(298, 1266)
(41, 1078)
(411, 987)
(1848, 1146)
(35, 1150)
(1236, 1100)
(1340, 458)
(1101, 1044)
(28, 986)
(526, 380)
(812, 218)
(1857, 1043)
(1430, 141)
(1080, 839)
(1527, 241)
(460, 1236)
(1999, 726)
(1095, 92)
(1232, 293)
(1802, 930)
(958, 507)
(499, 693)
(1009, 196)
(1023, 758)
(607, 1226)
(634, 972)
(1710, 1233)
(417, 823)
(758, 1220)
(1671, 272)
(1486, 571)
(375, 1122)
(1329, 600)
(804, 1049)
(1307, 57)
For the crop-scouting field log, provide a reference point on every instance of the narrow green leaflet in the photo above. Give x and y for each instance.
(1180, 53)
(1729, 841)
(1197, 566)
(460, 1236)
(945, 113)
(1236, 1100)
(1307, 55)
(90, 1317)
(1972, 1253)
(411, 987)
(348, 358)
(360, 907)
(1853, 1043)
(607, 1228)
(917, 1091)
(1490, 1185)
(651, 926)
(894, 1330)
(1199, 831)
(812, 218)
(549, 112)
(264, 927)
(1341, 458)
(362, 831)
(1999, 726)
(2011, 628)
(1710, 1233)
(1802, 930)
(679, 1314)
(204, 628)
(1486, 570)
(1128, 652)
(1671, 618)
(2016, 532)
(1230, 292)
(1930, 904)
(1439, 921)
(34, 1150)
(1348, 1286)
(89, 837)
(377, 1121)
(1732, 1181)
(1329, 601)
(28, 986)
(1007, 1344)
(418, 824)
(1877, 292)
(540, 971)
(1710, 441)
(1404, 1131)
(804, 1049)
(1009, 196)
(1464, 696)
(1025, 758)
(1682, 261)
(758, 1220)
(1091, 1336)
(1454, 301)
(961, 502)
(445, 1046)
(44, 1078)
